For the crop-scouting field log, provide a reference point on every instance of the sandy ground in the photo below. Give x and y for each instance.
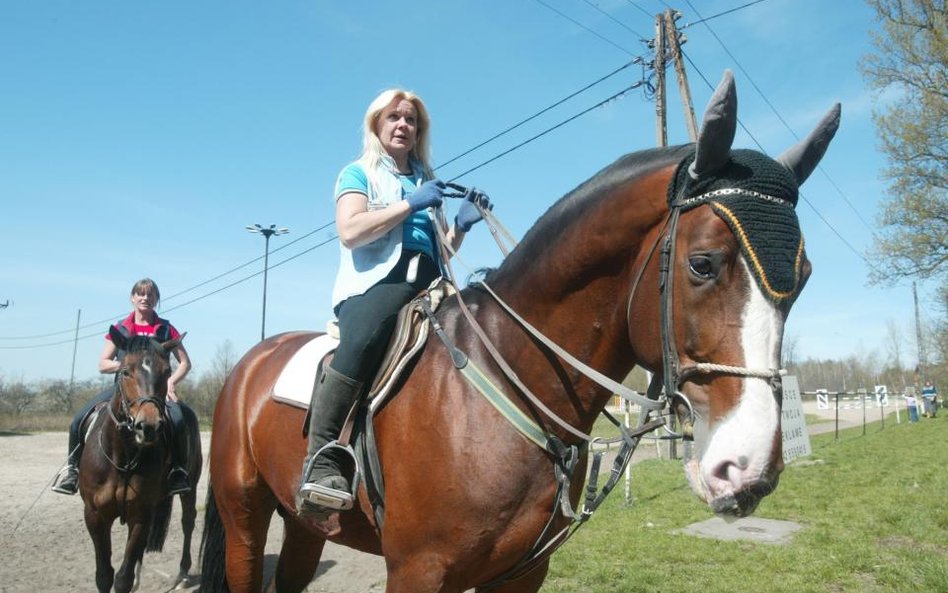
(46, 547)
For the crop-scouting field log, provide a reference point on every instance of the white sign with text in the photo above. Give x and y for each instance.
(796, 438)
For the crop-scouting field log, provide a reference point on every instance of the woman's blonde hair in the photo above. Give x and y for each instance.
(372, 150)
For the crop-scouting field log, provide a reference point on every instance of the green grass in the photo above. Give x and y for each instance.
(874, 511)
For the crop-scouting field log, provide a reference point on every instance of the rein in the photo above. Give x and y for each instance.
(565, 456)
(674, 374)
(126, 425)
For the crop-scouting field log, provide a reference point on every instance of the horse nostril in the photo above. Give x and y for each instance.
(731, 472)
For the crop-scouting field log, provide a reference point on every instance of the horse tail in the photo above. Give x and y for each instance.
(213, 575)
(159, 525)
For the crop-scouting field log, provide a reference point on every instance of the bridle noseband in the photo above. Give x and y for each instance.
(127, 423)
(674, 374)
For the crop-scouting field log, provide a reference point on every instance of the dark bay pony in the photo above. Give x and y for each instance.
(466, 495)
(124, 466)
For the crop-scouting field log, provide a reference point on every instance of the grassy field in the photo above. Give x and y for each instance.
(874, 511)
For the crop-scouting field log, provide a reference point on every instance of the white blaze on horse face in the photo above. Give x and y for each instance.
(740, 448)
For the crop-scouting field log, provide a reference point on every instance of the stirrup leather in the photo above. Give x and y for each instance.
(327, 497)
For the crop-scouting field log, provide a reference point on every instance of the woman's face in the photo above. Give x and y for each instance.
(144, 302)
(397, 128)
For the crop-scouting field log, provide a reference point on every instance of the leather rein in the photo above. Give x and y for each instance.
(657, 400)
(126, 424)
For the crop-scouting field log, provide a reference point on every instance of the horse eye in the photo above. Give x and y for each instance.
(125, 372)
(701, 266)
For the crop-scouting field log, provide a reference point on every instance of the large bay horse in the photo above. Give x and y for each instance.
(466, 495)
(125, 463)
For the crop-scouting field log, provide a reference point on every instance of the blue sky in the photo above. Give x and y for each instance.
(140, 138)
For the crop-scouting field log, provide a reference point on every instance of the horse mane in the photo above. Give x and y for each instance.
(569, 208)
(145, 344)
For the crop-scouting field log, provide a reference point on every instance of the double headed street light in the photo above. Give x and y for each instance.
(267, 233)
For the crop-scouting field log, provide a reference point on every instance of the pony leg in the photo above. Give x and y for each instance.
(100, 530)
(528, 583)
(126, 576)
(299, 557)
(188, 516)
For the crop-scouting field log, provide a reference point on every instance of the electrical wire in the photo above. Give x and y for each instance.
(637, 60)
(750, 79)
(582, 26)
(703, 20)
(614, 97)
(550, 129)
(802, 196)
(615, 20)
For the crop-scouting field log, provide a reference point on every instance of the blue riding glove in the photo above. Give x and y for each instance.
(429, 195)
(469, 213)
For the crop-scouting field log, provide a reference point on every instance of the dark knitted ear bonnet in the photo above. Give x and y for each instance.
(756, 196)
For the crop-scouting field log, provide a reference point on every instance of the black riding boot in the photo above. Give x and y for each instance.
(67, 482)
(178, 482)
(322, 487)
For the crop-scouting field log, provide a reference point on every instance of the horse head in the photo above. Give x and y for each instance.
(141, 385)
(735, 263)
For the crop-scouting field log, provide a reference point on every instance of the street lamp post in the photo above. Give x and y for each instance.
(267, 232)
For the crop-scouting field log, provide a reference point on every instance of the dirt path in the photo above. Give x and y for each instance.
(51, 550)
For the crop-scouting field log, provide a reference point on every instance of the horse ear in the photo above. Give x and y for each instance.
(802, 158)
(118, 338)
(713, 148)
(172, 344)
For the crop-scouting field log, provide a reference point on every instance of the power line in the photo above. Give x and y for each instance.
(178, 306)
(637, 60)
(802, 196)
(582, 26)
(172, 296)
(293, 257)
(735, 9)
(642, 10)
(550, 129)
(614, 19)
(774, 109)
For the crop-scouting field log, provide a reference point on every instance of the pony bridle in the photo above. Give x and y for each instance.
(127, 423)
(673, 373)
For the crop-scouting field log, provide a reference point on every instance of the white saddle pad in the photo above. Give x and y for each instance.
(295, 383)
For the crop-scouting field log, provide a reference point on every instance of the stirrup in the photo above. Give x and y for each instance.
(326, 497)
(315, 497)
(65, 485)
(183, 487)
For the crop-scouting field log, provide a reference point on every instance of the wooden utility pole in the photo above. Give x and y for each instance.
(661, 129)
(922, 355)
(673, 41)
(75, 346)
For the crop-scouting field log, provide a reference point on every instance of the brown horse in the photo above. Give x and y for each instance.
(467, 497)
(124, 466)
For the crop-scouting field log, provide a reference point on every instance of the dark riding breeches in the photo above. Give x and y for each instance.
(366, 321)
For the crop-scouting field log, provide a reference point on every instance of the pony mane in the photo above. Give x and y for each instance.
(145, 344)
(569, 208)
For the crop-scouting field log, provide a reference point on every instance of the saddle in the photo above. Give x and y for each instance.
(294, 386)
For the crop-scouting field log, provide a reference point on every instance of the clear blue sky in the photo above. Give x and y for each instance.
(139, 139)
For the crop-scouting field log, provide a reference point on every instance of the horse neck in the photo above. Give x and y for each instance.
(572, 280)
